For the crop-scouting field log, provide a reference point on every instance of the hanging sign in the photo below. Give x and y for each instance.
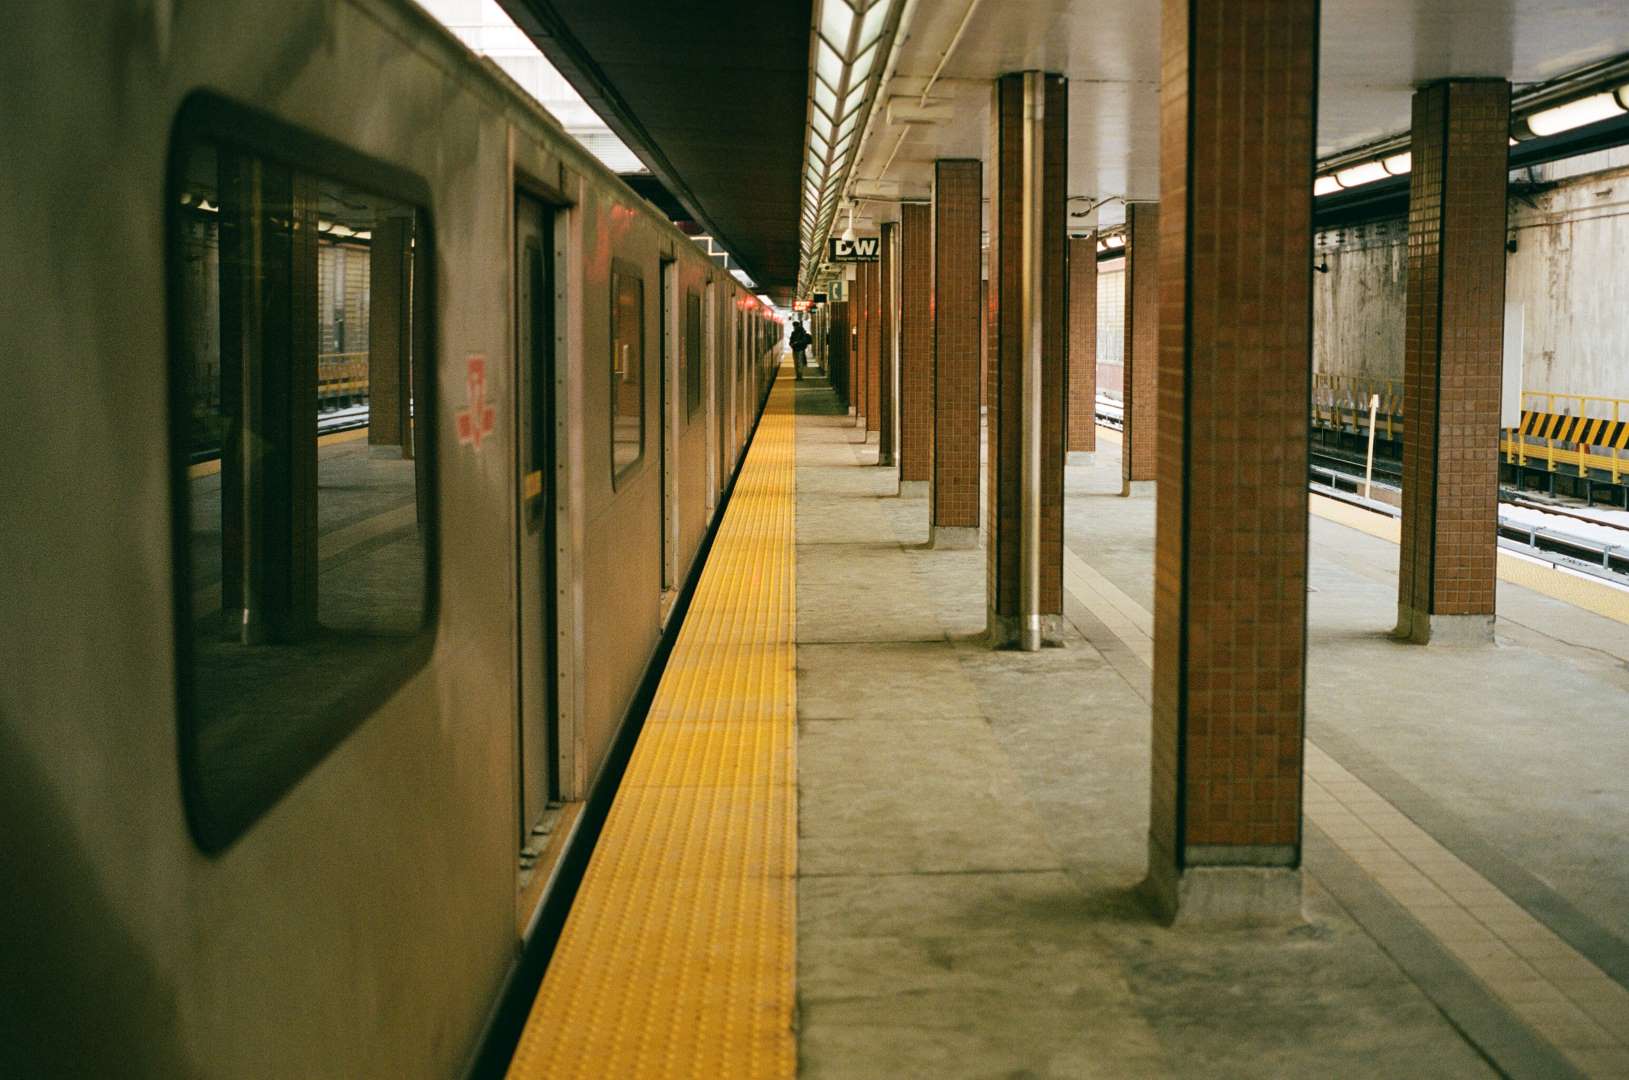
(860, 249)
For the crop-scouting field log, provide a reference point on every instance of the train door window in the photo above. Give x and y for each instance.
(667, 281)
(627, 369)
(304, 540)
(535, 278)
(692, 354)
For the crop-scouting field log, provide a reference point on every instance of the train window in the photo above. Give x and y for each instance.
(304, 538)
(627, 369)
(692, 353)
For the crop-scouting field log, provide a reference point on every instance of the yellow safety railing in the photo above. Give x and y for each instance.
(1339, 400)
(1342, 401)
(342, 373)
(1519, 448)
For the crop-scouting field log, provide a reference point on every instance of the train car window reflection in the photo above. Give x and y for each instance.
(627, 370)
(306, 547)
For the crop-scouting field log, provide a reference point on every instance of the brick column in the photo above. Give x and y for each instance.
(1237, 111)
(873, 346)
(915, 348)
(859, 306)
(957, 315)
(1453, 356)
(887, 341)
(1081, 425)
(1140, 388)
(837, 348)
(1029, 155)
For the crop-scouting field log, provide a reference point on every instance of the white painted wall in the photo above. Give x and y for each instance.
(1570, 271)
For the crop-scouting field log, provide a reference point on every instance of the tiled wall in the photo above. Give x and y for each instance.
(916, 342)
(1453, 347)
(1081, 429)
(887, 341)
(837, 359)
(859, 309)
(873, 345)
(1140, 386)
(1007, 333)
(1234, 375)
(956, 321)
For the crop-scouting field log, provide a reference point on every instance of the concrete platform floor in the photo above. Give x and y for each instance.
(973, 822)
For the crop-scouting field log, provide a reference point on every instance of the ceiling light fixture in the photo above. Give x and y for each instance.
(1575, 114)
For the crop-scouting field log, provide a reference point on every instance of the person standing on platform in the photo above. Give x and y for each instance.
(800, 346)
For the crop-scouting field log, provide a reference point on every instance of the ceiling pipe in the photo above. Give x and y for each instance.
(939, 68)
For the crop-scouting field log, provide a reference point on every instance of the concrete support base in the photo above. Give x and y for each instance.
(1136, 487)
(1223, 897)
(952, 537)
(913, 489)
(1079, 457)
(1009, 632)
(1424, 628)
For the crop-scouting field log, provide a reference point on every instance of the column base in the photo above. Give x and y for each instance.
(1424, 628)
(885, 458)
(1009, 632)
(913, 489)
(1131, 488)
(1223, 897)
(1080, 457)
(851, 410)
(952, 537)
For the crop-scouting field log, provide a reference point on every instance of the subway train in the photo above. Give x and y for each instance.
(361, 432)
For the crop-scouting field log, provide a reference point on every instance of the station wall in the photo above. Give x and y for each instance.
(1568, 271)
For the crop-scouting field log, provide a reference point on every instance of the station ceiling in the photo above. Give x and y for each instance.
(1373, 54)
(714, 96)
(711, 96)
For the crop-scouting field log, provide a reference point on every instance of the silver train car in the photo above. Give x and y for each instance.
(291, 706)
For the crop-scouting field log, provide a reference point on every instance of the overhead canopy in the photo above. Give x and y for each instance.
(712, 97)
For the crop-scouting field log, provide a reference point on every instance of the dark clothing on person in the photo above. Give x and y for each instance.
(800, 346)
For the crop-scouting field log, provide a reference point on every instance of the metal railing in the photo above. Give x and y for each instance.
(1341, 402)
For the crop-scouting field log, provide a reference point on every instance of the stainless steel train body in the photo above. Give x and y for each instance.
(170, 909)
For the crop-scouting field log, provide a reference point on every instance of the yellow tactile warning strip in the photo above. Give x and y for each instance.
(679, 955)
(1558, 584)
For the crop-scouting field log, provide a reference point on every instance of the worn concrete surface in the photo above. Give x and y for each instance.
(972, 830)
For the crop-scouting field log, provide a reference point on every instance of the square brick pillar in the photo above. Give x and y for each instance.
(1081, 425)
(915, 348)
(1453, 357)
(1140, 388)
(1237, 124)
(873, 346)
(1028, 286)
(887, 342)
(837, 348)
(859, 309)
(957, 324)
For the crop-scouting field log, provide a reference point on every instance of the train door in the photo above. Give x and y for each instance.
(669, 380)
(535, 279)
(709, 339)
(726, 395)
